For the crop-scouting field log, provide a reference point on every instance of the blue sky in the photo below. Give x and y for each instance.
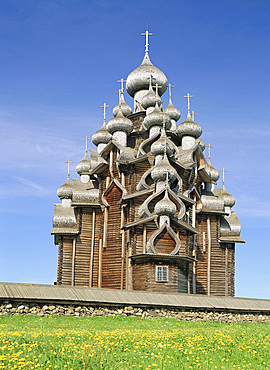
(60, 61)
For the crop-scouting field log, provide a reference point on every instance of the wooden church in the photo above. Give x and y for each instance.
(145, 213)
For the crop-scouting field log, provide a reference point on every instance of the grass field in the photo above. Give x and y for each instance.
(31, 342)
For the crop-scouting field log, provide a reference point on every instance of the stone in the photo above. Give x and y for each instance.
(9, 306)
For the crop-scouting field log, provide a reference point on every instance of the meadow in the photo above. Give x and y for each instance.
(31, 342)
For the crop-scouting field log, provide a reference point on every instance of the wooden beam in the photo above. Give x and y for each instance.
(100, 264)
(73, 262)
(123, 248)
(226, 272)
(144, 238)
(105, 228)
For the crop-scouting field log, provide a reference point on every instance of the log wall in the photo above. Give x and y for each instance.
(112, 262)
(67, 261)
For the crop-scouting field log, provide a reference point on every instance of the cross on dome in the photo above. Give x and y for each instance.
(104, 106)
(151, 78)
(223, 175)
(188, 96)
(86, 143)
(170, 90)
(157, 86)
(119, 92)
(122, 83)
(68, 163)
(209, 154)
(146, 34)
(193, 114)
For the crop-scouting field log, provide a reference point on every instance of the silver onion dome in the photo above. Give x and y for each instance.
(65, 191)
(157, 118)
(158, 147)
(229, 200)
(120, 123)
(201, 143)
(211, 171)
(139, 78)
(165, 206)
(189, 128)
(125, 108)
(150, 99)
(172, 111)
(102, 136)
(84, 166)
(163, 169)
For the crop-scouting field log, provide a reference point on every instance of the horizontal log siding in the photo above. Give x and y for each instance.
(218, 276)
(111, 258)
(231, 270)
(164, 243)
(217, 263)
(98, 236)
(67, 261)
(144, 278)
(60, 262)
(83, 249)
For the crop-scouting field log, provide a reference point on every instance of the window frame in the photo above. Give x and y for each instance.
(162, 274)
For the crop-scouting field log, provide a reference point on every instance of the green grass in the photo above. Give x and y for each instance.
(31, 342)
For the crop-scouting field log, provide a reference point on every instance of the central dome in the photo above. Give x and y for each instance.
(139, 78)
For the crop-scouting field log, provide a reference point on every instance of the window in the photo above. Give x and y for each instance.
(162, 273)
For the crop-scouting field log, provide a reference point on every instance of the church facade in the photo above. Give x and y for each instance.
(145, 213)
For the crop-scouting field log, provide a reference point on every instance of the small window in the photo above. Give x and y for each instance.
(162, 273)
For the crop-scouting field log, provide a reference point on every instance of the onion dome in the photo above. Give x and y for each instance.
(102, 136)
(65, 191)
(201, 143)
(84, 166)
(157, 118)
(158, 147)
(163, 169)
(120, 123)
(189, 128)
(211, 171)
(172, 112)
(150, 99)
(229, 200)
(125, 108)
(139, 78)
(165, 206)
